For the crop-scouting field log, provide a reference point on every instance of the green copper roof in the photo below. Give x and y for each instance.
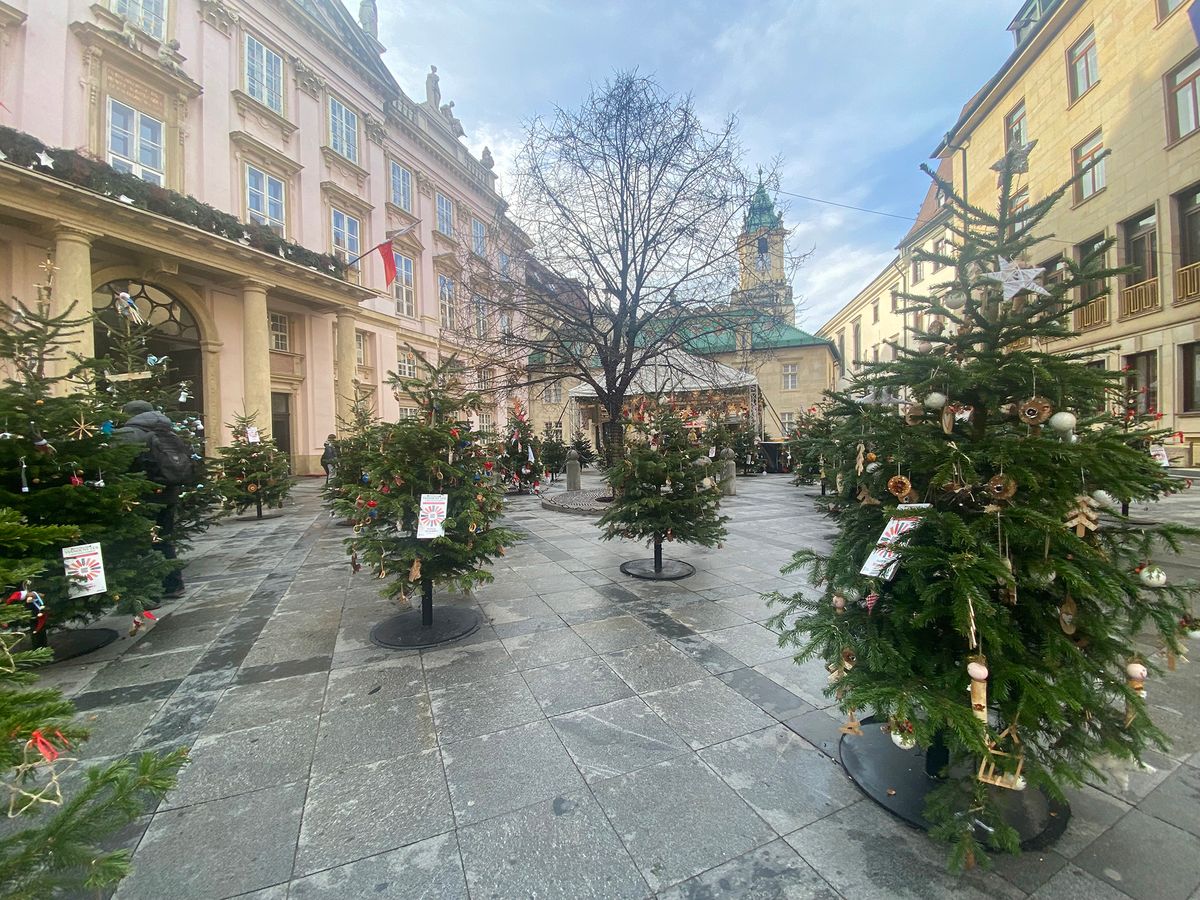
(766, 333)
(762, 213)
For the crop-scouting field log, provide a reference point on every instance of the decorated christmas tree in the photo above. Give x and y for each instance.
(976, 601)
(810, 447)
(666, 489)
(252, 472)
(517, 459)
(426, 509)
(554, 452)
(61, 467)
(54, 846)
(581, 445)
(357, 447)
(127, 373)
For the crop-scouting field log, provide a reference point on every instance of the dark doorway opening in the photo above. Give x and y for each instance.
(281, 424)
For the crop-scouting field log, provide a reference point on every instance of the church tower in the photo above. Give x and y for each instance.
(763, 281)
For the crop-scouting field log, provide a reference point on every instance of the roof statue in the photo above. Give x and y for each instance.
(762, 212)
(433, 92)
(455, 124)
(368, 17)
(486, 158)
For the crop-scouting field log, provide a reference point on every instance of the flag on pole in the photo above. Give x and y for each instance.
(386, 253)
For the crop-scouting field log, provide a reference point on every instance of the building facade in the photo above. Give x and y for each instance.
(282, 113)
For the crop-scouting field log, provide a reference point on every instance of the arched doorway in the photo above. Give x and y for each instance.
(175, 335)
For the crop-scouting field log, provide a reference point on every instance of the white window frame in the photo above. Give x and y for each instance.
(445, 301)
(264, 214)
(404, 287)
(149, 16)
(790, 376)
(407, 412)
(360, 349)
(487, 422)
(486, 379)
(343, 129)
(445, 214)
(478, 237)
(401, 186)
(479, 303)
(787, 421)
(280, 326)
(505, 265)
(134, 163)
(406, 364)
(264, 62)
(346, 241)
(552, 394)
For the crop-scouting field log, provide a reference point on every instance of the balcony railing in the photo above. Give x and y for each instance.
(1138, 299)
(1093, 315)
(1187, 283)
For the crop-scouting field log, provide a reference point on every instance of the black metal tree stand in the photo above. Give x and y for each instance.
(416, 628)
(658, 569)
(899, 780)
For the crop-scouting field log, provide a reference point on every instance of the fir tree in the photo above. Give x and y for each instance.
(435, 453)
(1011, 591)
(357, 448)
(252, 473)
(518, 460)
(581, 445)
(554, 452)
(60, 468)
(665, 489)
(58, 850)
(809, 445)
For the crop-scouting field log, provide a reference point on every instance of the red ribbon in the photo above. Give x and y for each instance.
(149, 615)
(44, 747)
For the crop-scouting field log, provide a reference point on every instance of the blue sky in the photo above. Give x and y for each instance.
(851, 95)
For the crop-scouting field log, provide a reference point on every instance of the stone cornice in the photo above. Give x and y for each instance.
(248, 106)
(346, 200)
(252, 146)
(10, 16)
(336, 162)
(174, 82)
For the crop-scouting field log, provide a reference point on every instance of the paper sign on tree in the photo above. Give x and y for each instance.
(884, 558)
(432, 520)
(84, 565)
(252, 435)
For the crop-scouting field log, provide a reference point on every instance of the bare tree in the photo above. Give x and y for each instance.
(632, 207)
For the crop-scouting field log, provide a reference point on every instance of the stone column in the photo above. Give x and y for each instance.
(256, 361)
(73, 284)
(213, 421)
(345, 361)
(728, 473)
(572, 470)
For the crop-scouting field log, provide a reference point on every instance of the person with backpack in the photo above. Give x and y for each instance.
(167, 461)
(329, 455)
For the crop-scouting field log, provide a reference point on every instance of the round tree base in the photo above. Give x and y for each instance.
(404, 632)
(896, 780)
(274, 514)
(78, 641)
(672, 569)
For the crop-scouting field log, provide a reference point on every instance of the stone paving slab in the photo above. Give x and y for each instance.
(597, 737)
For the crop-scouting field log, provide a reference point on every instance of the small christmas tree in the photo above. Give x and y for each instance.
(810, 446)
(665, 490)
(517, 459)
(357, 448)
(581, 445)
(61, 468)
(253, 471)
(554, 453)
(59, 850)
(1002, 625)
(434, 454)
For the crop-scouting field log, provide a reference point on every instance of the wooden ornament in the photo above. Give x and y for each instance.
(978, 671)
(1002, 487)
(990, 773)
(899, 486)
(914, 413)
(1067, 611)
(865, 498)
(948, 419)
(859, 463)
(1035, 411)
(414, 573)
(1083, 516)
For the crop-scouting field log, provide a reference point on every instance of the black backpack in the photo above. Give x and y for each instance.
(168, 457)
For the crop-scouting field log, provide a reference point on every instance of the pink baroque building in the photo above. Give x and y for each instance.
(282, 114)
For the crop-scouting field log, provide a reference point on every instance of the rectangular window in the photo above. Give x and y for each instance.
(1141, 247)
(791, 377)
(406, 363)
(148, 15)
(408, 412)
(485, 379)
(895, 300)
(1183, 98)
(505, 265)
(445, 215)
(1141, 380)
(401, 186)
(1055, 273)
(856, 331)
(1166, 7)
(478, 237)
(1096, 289)
(346, 230)
(135, 143)
(446, 300)
(1189, 226)
(264, 74)
(1085, 155)
(552, 394)
(1083, 67)
(481, 316)
(556, 431)
(875, 311)
(281, 332)
(787, 421)
(487, 422)
(264, 199)
(918, 270)
(1191, 377)
(841, 345)
(343, 129)
(360, 348)
(1015, 130)
(506, 328)
(404, 287)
